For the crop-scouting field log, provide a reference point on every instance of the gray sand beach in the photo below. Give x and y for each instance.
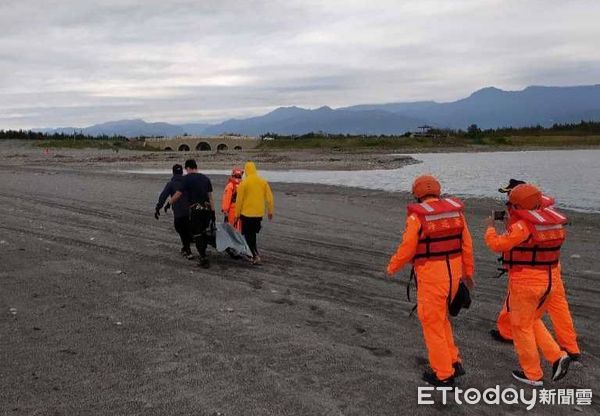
(101, 315)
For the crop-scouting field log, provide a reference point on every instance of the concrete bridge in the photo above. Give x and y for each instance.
(203, 143)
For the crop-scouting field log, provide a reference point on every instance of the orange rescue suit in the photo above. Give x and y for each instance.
(533, 240)
(228, 202)
(437, 241)
(558, 310)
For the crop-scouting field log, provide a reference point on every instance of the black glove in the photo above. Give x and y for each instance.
(157, 213)
(167, 206)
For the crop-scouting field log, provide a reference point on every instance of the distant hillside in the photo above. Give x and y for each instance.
(488, 108)
(126, 128)
(294, 120)
(493, 108)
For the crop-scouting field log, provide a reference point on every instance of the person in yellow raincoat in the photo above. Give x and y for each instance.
(253, 196)
(438, 243)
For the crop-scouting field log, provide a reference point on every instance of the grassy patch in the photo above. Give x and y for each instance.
(358, 143)
(115, 145)
(555, 141)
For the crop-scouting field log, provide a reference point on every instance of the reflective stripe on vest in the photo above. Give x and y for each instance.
(452, 202)
(427, 207)
(553, 212)
(548, 227)
(537, 216)
(435, 217)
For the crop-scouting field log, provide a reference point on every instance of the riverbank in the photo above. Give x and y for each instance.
(107, 318)
(16, 152)
(23, 153)
(312, 154)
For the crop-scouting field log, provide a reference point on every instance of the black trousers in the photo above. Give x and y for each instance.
(250, 227)
(199, 223)
(182, 226)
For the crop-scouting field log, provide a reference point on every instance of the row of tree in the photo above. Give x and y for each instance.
(581, 128)
(36, 135)
(473, 131)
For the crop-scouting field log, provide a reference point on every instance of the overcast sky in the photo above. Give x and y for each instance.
(76, 63)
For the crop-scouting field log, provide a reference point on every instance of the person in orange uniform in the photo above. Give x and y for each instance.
(502, 332)
(531, 251)
(438, 243)
(559, 313)
(230, 196)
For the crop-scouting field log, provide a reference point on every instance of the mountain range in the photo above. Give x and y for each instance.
(488, 108)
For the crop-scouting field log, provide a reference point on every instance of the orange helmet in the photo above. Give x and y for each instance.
(237, 172)
(526, 196)
(425, 185)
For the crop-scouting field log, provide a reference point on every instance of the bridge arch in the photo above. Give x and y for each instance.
(168, 149)
(184, 148)
(237, 148)
(222, 147)
(203, 146)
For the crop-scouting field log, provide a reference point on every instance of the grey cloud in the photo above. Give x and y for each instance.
(76, 63)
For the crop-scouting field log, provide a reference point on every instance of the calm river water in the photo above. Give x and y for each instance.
(571, 176)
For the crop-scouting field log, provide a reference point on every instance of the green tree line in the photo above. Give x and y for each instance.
(582, 128)
(36, 135)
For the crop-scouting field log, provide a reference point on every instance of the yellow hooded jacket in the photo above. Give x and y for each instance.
(252, 194)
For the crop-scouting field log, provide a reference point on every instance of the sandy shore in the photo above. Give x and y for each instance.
(109, 319)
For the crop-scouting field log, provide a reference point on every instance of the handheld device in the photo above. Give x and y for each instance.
(498, 215)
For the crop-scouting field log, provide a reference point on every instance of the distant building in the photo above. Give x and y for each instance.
(430, 132)
(424, 131)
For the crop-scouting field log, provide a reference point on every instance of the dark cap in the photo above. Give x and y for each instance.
(177, 169)
(513, 183)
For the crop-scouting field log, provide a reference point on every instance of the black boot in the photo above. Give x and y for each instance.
(204, 263)
(431, 378)
(498, 337)
(560, 367)
(519, 375)
(458, 369)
